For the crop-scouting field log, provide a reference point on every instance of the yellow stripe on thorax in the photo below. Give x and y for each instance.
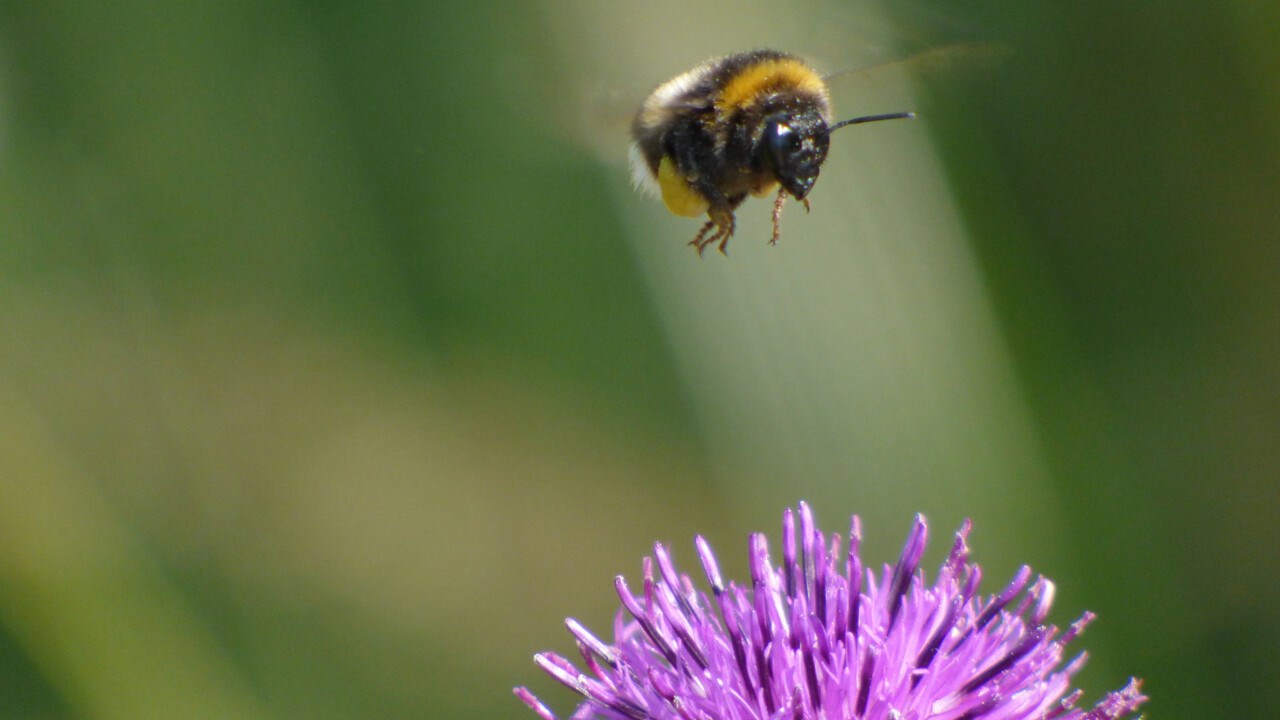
(765, 76)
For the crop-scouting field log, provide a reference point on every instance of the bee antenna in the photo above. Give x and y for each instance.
(871, 118)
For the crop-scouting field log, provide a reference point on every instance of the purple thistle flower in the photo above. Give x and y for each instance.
(808, 641)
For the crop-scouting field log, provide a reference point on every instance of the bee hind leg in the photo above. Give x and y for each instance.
(725, 234)
(722, 223)
(701, 241)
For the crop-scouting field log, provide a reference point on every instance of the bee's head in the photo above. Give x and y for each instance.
(798, 143)
(797, 146)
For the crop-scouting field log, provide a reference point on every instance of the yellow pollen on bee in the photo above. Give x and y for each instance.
(680, 197)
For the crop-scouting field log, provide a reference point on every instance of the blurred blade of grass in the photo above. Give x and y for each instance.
(109, 632)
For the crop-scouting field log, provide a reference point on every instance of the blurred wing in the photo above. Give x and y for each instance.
(606, 115)
(937, 64)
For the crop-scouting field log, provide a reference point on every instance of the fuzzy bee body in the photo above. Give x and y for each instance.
(745, 124)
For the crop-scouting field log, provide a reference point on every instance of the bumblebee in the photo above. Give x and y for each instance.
(734, 126)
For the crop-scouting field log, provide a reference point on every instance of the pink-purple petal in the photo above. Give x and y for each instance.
(804, 641)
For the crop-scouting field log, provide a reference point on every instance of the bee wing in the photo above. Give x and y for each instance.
(597, 116)
(936, 64)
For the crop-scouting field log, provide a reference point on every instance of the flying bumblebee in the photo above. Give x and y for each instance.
(734, 126)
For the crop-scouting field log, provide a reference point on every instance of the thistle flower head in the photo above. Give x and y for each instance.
(811, 639)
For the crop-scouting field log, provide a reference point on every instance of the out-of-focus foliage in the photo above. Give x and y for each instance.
(338, 360)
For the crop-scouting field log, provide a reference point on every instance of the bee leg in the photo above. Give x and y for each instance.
(777, 215)
(701, 241)
(723, 218)
(806, 204)
(725, 234)
(722, 224)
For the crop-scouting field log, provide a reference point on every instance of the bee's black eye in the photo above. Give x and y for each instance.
(783, 141)
(796, 152)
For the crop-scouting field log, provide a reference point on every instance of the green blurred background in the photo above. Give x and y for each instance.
(339, 362)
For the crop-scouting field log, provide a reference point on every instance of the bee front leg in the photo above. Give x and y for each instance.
(777, 215)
